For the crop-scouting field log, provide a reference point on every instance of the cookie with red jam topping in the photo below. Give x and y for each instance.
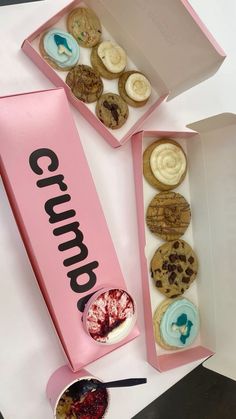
(77, 404)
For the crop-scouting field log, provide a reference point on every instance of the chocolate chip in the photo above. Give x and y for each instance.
(182, 290)
(158, 284)
(172, 258)
(172, 278)
(174, 296)
(179, 269)
(171, 268)
(182, 257)
(167, 290)
(165, 265)
(151, 274)
(189, 272)
(191, 259)
(113, 108)
(176, 245)
(185, 280)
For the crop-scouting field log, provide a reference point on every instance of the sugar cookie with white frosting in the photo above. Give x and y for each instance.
(164, 164)
(109, 59)
(134, 88)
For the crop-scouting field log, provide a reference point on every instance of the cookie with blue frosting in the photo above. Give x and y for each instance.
(59, 49)
(176, 324)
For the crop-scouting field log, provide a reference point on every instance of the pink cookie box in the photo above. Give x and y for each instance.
(56, 207)
(209, 186)
(165, 40)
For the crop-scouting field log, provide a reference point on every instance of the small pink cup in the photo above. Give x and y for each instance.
(119, 332)
(61, 380)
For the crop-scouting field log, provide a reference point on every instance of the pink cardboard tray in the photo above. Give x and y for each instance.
(56, 207)
(176, 53)
(203, 347)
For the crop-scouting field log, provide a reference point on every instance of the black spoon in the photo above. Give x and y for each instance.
(82, 387)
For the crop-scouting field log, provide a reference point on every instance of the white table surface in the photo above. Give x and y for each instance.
(29, 349)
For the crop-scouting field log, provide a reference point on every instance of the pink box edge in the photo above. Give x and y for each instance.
(163, 362)
(75, 366)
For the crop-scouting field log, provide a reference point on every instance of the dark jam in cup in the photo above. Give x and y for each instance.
(111, 316)
(74, 404)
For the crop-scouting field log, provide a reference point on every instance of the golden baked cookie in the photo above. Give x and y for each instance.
(85, 26)
(173, 268)
(164, 164)
(111, 110)
(168, 215)
(109, 59)
(134, 90)
(85, 83)
(176, 324)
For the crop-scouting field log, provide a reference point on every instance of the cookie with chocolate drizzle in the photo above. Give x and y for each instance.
(168, 215)
(112, 110)
(85, 83)
(174, 267)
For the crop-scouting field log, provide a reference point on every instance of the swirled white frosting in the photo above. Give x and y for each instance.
(112, 56)
(168, 163)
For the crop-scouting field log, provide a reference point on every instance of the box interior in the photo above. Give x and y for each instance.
(213, 194)
(153, 242)
(158, 87)
(176, 47)
(209, 187)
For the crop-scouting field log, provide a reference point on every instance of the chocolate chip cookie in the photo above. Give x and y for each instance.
(85, 83)
(174, 267)
(112, 110)
(85, 26)
(168, 215)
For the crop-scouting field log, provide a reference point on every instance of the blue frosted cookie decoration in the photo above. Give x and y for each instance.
(62, 48)
(179, 324)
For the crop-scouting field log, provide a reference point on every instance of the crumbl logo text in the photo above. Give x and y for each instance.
(82, 278)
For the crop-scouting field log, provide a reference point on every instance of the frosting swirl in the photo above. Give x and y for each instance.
(180, 323)
(61, 47)
(168, 163)
(112, 56)
(138, 87)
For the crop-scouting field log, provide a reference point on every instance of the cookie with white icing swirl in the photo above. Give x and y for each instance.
(134, 88)
(109, 59)
(164, 164)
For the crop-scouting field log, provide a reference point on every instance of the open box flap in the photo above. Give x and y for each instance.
(216, 143)
(170, 36)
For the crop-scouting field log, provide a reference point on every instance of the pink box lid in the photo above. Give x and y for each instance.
(58, 213)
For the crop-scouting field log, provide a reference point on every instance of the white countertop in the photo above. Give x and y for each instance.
(29, 348)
